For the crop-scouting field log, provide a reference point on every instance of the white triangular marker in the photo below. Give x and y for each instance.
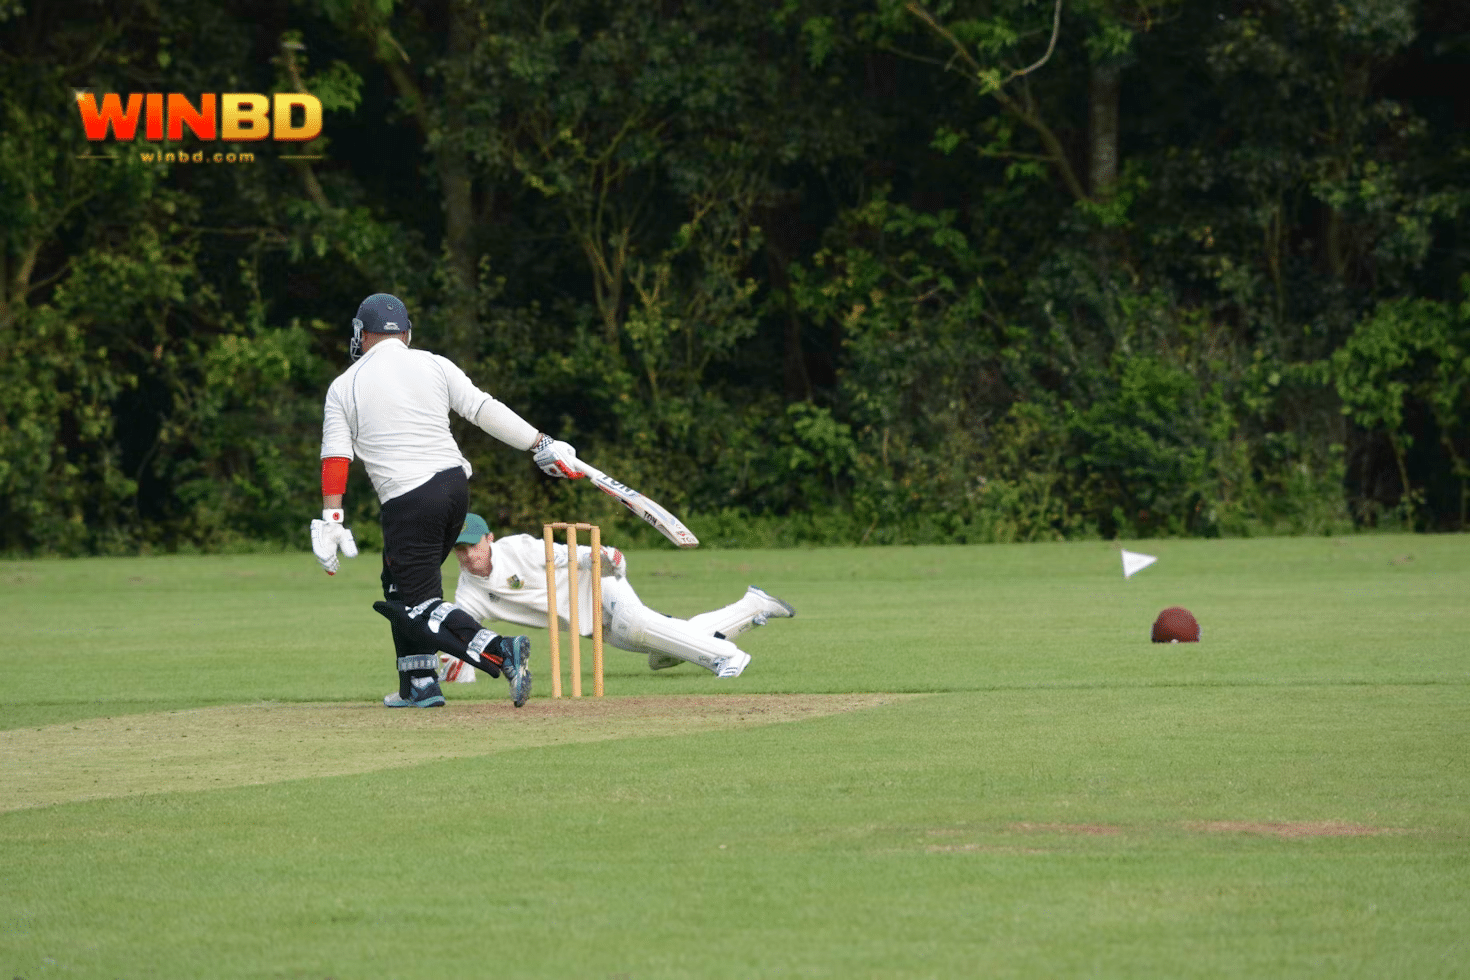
(1135, 562)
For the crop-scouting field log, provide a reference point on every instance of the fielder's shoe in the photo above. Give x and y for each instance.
(732, 665)
(516, 653)
(771, 607)
(662, 661)
(423, 696)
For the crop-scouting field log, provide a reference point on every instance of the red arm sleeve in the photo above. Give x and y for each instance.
(334, 475)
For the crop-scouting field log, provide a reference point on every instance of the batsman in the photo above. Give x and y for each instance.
(390, 409)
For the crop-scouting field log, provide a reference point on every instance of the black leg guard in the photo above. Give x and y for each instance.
(416, 657)
(417, 675)
(444, 626)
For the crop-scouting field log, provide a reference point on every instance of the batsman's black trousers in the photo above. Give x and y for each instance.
(419, 529)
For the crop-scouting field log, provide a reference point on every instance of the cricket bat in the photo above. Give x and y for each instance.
(650, 510)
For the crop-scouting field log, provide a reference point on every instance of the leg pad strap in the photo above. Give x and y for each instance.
(461, 636)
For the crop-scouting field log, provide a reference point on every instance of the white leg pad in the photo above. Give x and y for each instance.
(637, 628)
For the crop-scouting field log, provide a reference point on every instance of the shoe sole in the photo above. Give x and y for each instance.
(520, 683)
(437, 701)
(732, 668)
(790, 612)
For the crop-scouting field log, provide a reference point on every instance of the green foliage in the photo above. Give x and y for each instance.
(1409, 352)
(54, 392)
(917, 373)
(1148, 445)
(248, 426)
(836, 272)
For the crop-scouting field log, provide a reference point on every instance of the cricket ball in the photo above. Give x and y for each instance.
(1176, 625)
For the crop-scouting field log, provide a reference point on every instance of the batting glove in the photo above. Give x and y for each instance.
(557, 458)
(327, 536)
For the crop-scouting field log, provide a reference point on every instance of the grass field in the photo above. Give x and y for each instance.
(955, 762)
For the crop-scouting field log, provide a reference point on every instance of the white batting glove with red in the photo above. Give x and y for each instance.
(328, 536)
(557, 458)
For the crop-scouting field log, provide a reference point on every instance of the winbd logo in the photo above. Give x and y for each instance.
(234, 117)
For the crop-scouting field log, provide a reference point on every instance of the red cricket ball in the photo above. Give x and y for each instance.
(1176, 625)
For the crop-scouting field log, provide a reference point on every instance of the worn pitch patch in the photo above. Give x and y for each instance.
(245, 745)
(1295, 829)
(1292, 830)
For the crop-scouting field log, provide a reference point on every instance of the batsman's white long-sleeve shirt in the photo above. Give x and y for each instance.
(391, 410)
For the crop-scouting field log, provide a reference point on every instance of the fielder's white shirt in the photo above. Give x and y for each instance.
(391, 410)
(515, 589)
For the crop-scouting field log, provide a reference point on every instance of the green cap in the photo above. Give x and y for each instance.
(474, 529)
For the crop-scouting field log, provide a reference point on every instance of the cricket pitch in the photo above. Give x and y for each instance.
(270, 742)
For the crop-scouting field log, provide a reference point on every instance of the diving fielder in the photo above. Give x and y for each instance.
(505, 579)
(390, 409)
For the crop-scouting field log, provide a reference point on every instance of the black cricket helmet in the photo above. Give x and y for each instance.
(379, 313)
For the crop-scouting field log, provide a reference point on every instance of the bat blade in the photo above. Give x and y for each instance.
(650, 510)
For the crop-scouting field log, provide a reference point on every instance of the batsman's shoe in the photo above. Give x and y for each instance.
(732, 665)
(423, 696)
(662, 661)
(516, 666)
(770, 606)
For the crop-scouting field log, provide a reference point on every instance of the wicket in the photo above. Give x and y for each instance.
(553, 625)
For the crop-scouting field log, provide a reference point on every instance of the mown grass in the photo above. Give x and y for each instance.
(1289, 798)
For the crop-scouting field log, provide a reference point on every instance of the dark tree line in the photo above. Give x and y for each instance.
(804, 271)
